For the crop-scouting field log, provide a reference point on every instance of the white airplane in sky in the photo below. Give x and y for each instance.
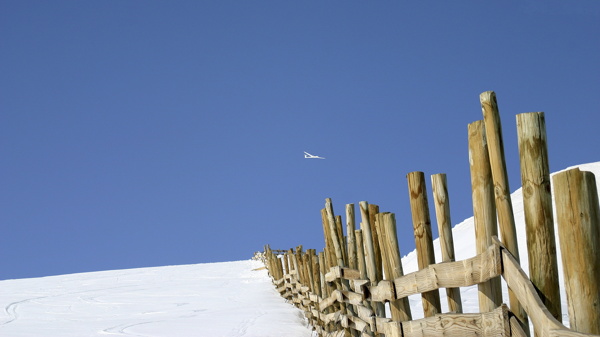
(310, 156)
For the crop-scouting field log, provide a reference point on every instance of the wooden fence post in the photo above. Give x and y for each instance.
(329, 250)
(338, 240)
(360, 254)
(537, 203)
(423, 239)
(390, 250)
(335, 239)
(495, 143)
(365, 224)
(341, 239)
(350, 228)
(373, 210)
(578, 216)
(323, 291)
(442, 214)
(484, 210)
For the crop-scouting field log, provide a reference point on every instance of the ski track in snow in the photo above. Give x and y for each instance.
(218, 299)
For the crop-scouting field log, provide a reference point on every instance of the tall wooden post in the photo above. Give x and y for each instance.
(373, 210)
(365, 225)
(329, 249)
(423, 239)
(578, 216)
(537, 203)
(337, 238)
(360, 254)
(350, 228)
(341, 239)
(484, 210)
(390, 253)
(442, 214)
(334, 233)
(493, 130)
(324, 291)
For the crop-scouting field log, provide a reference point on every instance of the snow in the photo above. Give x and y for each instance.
(215, 299)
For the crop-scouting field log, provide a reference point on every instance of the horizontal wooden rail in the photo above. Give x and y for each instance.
(495, 261)
(493, 323)
(464, 273)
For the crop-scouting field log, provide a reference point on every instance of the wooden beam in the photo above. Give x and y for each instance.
(492, 324)
(462, 273)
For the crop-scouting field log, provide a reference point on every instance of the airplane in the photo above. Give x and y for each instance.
(310, 156)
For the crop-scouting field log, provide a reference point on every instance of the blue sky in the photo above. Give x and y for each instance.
(148, 133)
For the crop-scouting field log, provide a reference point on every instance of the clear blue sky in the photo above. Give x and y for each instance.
(148, 133)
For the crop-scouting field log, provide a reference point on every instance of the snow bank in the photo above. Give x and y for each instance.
(216, 299)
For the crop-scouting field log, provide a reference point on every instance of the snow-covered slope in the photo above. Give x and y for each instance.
(217, 299)
(464, 243)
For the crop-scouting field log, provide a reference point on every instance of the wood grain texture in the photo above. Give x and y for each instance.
(484, 209)
(537, 204)
(350, 228)
(441, 200)
(495, 144)
(494, 323)
(390, 250)
(578, 216)
(422, 230)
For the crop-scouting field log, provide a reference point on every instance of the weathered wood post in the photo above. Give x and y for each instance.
(335, 235)
(362, 265)
(537, 203)
(390, 250)
(310, 269)
(578, 216)
(329, 248)
(365, 225)
(484, 210)
(300, 261)
(360, 254)
(442, 213)
(286, 263)
(495, 143)
(373, 210)
(350, 228)
(423, 238)
(338, 243)
(341, 238)
(324, 292)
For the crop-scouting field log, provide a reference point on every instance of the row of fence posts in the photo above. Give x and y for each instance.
(373, 250)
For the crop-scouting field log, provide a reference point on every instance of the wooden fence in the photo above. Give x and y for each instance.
(356, 285)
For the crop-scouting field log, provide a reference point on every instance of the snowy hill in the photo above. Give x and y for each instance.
(217, 299)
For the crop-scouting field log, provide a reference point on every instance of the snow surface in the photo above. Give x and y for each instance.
(215, 299)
